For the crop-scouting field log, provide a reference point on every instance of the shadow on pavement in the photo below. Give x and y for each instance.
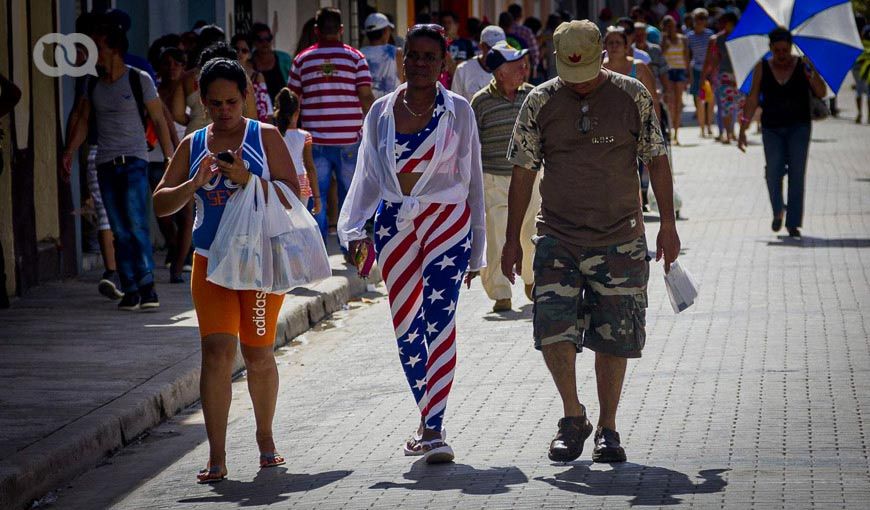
(649, 485)
(462, 477)
(304, 292)
(272, 485)
(655, 218)
(524, 312)
(818, 242)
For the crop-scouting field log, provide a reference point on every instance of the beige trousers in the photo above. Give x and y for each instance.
(495, 191)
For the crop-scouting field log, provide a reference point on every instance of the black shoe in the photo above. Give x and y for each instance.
(176, 278)
(794, 233)
(776, 224)
(568, 443)
(130, 302)
(188, 262)
(107, 286)
(607, 447)
(149, 297)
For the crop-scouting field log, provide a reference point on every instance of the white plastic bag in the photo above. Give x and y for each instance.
(298, 255)
(682, 287)
(239, 255)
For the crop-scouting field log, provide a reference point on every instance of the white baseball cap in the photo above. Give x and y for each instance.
(492, 35)
(502, 53)
(377, 21)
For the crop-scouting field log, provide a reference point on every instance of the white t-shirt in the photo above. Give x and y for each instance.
(470, 77)
(296, 140)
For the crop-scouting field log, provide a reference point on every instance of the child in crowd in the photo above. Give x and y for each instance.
(286, 117)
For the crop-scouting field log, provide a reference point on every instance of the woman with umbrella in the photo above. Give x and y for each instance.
(782, 86)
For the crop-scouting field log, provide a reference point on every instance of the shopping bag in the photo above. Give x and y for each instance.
(298, 255)
(240, 250)
(682, 287)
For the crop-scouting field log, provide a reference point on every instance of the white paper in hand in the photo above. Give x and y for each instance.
(682, 288)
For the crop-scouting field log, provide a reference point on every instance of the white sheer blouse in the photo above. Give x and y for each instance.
(454, 175)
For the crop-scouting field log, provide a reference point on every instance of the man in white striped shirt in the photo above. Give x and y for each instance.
(334, 85)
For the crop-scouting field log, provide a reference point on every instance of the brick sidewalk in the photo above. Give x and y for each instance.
(754, 398)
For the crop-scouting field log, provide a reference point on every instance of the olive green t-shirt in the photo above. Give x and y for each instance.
(589, 147)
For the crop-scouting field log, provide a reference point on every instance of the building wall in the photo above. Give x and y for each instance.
(166, 17)
(29, 191)
(5, 173)
(45, 109)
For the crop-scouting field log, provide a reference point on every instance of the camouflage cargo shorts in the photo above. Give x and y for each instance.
(594, 297)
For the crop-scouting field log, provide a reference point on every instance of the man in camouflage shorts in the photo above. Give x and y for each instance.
(588, 128)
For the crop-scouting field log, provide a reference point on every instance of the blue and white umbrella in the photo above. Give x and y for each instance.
(823, 30)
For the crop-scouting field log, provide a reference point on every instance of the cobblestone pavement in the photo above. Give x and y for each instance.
(756, 397)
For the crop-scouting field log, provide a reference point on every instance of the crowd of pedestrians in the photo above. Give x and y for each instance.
(522, 148)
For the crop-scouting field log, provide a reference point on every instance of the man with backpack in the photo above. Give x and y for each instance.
(124, 104)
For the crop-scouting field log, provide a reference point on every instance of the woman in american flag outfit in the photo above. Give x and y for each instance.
(419, 172)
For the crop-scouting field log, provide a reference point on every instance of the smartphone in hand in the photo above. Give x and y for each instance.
(226, 157)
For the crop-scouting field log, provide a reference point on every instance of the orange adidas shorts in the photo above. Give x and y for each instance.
(251, 315)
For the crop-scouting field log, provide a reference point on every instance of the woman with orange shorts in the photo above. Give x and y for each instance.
(226, 316)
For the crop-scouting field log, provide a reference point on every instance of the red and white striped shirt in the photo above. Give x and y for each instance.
(327, 76)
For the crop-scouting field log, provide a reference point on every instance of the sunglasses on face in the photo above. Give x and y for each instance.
(264, 38)
(243, 50)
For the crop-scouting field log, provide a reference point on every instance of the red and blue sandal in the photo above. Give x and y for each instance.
(212, 474)
(268, 460)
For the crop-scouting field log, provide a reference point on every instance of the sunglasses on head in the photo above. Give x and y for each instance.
(429, 26)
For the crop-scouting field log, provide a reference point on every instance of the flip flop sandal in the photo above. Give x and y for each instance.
(437, 452)
(414, 446)
(213, 474)
(268, 460)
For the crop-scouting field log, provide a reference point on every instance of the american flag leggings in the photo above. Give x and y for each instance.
(423, 267)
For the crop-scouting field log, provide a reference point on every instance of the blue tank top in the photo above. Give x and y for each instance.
(211, 199)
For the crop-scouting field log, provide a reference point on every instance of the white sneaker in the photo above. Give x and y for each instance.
(437, 452)
(108, 288)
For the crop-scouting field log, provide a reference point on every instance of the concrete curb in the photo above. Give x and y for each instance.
(81, 445)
